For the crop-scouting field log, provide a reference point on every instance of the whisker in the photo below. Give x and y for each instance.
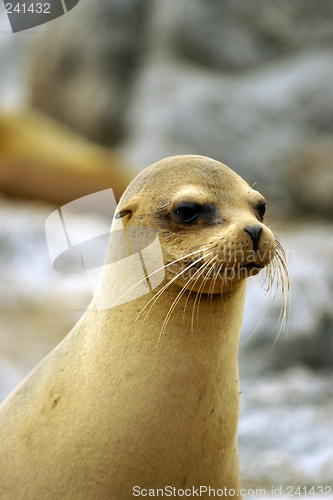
(206, 278)
(191, 289)
(103, 313)
(277, 273)
(160, 292)
(215, 280)
(222, 278)
(169, 313)
(172, 280)
(196, 298)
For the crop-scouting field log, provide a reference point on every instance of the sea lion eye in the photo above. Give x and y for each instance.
(187, 212)
(261, 209)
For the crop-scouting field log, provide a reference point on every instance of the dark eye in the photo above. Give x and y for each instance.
(261, 209)
(187, 212)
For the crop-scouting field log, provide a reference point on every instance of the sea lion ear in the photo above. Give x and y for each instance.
(127, 209)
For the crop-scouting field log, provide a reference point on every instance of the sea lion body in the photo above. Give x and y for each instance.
(42, 159)
(129, 401)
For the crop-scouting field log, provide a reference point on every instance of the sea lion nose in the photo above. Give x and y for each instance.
(254, 232)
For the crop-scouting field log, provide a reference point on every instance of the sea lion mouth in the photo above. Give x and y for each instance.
(227, 272)
(252, 269)
(253, 265)
(250, 266)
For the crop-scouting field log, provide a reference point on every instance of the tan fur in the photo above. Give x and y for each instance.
(42, 159)
(117, 405)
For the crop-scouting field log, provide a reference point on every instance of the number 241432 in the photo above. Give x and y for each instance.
(38, 8)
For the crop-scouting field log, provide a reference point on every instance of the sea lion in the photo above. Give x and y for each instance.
(40, 158)
(144, 396)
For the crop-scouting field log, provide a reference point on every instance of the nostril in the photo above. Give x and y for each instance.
(254, 232)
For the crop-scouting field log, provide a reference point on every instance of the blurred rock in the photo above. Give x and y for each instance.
(247, 83)
(38, 306)
(253, 122)
(84, 69)
(14, 64)
(310, 179)
(285, 432)
(308, 338)
(235, 34)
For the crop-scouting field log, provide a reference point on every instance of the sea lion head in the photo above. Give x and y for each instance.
(208, 219)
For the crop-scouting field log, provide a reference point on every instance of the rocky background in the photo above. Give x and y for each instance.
(249, 84)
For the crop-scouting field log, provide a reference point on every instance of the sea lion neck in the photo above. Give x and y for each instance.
(164, 317)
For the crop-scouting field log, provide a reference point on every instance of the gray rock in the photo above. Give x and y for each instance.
(285, 432)
(83, 71)
(252, 122)
(14, 59)
(190, 95)
(310, 179)
(237, 34)
(38, 305)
